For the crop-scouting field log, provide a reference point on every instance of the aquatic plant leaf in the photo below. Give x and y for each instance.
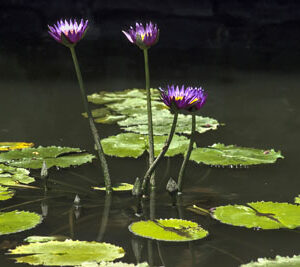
(297, 199)
(162, 122)
(13, 176)
(168, 230)
(40, 239)
(112, 264)
(18, 221)
(231, 155)
(124, 145)
(53, 156)
(65, 253)
(119, 187)
(134, 145)
(277, 262)
(6, 193)
(264, 215)
(105, 97)
(6, 146)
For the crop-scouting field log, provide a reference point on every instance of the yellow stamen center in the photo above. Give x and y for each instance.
(196, 99)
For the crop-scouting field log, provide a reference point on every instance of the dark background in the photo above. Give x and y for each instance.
(242, 34)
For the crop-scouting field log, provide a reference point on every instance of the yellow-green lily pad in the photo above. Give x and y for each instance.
(13, 176)
(6, 193)
(297, 199)
(53, 156)
(40, 239)
(112, 264)
(18, 221)
(6, 146)
(175, 230)
(277, 262)
(231, 155)
(65, 253)
(119, 187)
(261, 215)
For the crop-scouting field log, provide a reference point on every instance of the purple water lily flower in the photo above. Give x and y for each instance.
(185, 99)
(143, 37)
(68, 33)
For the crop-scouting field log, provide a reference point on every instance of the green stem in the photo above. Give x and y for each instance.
(162, 153)
(92, 124)
(149, 111)
(188, 154)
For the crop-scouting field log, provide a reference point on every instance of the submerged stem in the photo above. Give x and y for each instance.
(162, 153)
(149, 112)
(187, 155)
(91, 122)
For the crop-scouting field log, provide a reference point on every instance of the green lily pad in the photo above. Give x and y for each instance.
(162, 122)
(112, 264)
(134, 145)
(277, 262)
(18, 221)
(53, 156)
(6, 193)
(297, 199)
(261, 215)
(120, 187)
(40, 239)
(65, 253)
(14, 176)
(221, 155)
(168, 230)
(6, 146)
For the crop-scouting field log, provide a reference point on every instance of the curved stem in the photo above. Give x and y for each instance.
(162, 153)
(92, 124)
(149, 111)
(187, 155)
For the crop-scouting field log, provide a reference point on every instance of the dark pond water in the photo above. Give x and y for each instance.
(40, 103)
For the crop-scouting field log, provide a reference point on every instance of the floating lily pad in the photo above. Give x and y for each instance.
(112, 264)
(261, 215)
(41, 239)
(162, 122)
(134, 145)
(120, 187)
(18, 221)
(221, 155)
(297, 199)
(6, 146)
(14, 176)
(277, 262)
(53, 156)
(6, 193)
(168, 230)
(65, 253)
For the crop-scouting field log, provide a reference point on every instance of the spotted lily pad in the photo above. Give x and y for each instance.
(112, 264)
(14, 176)
(261, 215)
(134, 145)
(40, 239)
(66, 253)
(168, 230)
(297, 199)
(6, 146)
(277, 262)
(120, 187)
(6, 193)
(18, 221)
(221, 155)
(53, 156)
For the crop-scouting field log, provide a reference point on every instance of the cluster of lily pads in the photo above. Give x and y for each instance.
(146, 117)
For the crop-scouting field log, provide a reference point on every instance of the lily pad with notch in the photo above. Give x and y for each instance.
(65, 253)
(231, 155)
(259, 215)
(174, 230)
(18, 221)
(279, 261)
(53, 156)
